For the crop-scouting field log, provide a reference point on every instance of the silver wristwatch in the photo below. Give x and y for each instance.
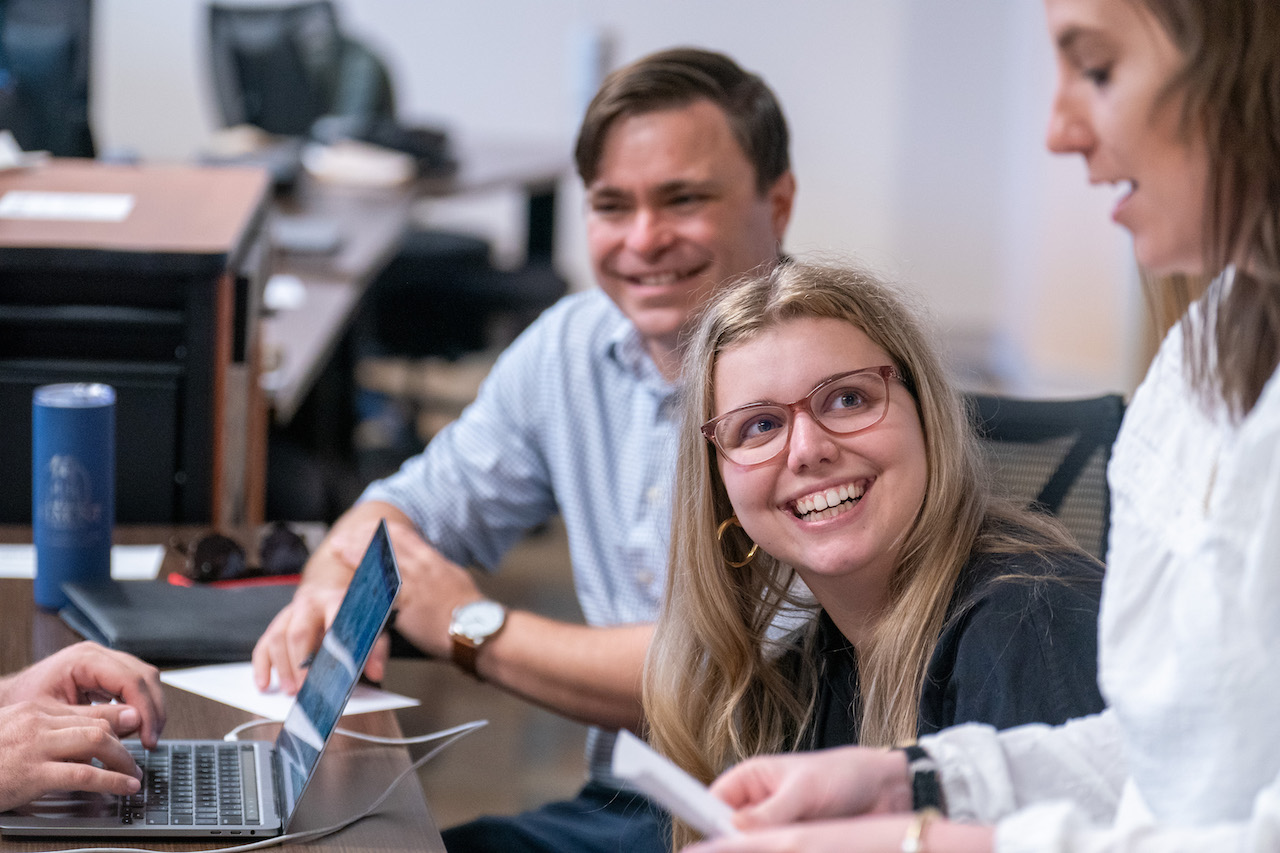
(472, 625)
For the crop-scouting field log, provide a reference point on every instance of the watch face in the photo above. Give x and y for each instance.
(479, 619)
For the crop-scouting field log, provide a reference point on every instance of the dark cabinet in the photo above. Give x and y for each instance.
(163, 304)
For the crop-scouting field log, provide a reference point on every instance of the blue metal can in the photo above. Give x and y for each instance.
(73, 469)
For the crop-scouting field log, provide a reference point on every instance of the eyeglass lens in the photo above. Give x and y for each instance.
(844, 405)
(218, 558)
(282, 551)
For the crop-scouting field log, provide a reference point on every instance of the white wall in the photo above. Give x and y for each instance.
(917, 128)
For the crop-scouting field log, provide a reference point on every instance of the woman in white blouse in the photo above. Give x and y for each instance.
(1177, 101)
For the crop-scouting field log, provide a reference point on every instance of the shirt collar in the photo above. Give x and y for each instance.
(625, 348)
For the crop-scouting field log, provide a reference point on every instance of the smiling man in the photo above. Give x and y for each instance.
(685, 162)
(677, 207)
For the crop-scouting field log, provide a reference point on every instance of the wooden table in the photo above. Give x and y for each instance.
(351, 773)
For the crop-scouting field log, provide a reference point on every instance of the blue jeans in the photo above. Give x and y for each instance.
(599, 819)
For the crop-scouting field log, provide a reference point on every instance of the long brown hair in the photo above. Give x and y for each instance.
(1229, 85)
(714, 690)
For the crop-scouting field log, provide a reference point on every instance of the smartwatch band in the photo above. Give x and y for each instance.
(926, 788)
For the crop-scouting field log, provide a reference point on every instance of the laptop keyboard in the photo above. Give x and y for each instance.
(194, 784)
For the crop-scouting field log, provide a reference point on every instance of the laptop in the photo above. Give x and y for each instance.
(237, 788)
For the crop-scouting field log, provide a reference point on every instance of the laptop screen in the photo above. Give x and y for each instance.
(336, 669)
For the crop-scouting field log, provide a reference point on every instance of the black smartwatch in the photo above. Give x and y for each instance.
(926, 788)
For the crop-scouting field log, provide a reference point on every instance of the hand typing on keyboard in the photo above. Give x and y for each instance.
(51, 737)
(187, 784)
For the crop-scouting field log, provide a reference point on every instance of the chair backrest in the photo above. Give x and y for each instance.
(283, 67)
(1052, 455)
(44, 75)
(274, 67)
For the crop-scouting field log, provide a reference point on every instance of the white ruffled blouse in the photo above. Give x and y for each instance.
(1187, 756)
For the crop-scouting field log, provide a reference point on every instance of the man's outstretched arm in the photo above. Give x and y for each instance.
(584, 673)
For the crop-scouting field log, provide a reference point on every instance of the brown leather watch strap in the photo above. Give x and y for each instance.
(464, 654)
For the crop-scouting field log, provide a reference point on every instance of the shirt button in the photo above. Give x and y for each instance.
(653, 494)
(644, 577)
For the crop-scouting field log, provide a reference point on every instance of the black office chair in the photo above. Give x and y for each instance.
(44, 75)
(1052, 455)
(290, 70)
(283, 68)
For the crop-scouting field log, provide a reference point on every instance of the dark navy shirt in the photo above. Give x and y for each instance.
(1019, 645)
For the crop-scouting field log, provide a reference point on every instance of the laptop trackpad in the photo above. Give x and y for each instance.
(70, 804)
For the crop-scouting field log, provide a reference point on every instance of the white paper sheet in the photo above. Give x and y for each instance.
(71, 207)
(128, 562)
(232, 684)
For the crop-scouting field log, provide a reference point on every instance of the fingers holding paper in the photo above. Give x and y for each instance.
(845, 836)
(872, 834)
(846, 799)
(844, 782)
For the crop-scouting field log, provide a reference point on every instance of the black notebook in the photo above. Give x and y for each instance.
(163, 623)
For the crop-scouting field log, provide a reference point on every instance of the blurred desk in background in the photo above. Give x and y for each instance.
(148, 278)
(369, 223)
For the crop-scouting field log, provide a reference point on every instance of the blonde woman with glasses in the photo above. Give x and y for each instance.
(823, 443)
(1178, 103)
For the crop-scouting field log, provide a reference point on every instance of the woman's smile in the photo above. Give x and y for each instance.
(834, 507)
(829, 502)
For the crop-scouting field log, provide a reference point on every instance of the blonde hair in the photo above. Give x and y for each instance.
(714, 690)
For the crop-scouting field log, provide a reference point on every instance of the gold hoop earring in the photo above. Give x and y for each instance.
(724, 525)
